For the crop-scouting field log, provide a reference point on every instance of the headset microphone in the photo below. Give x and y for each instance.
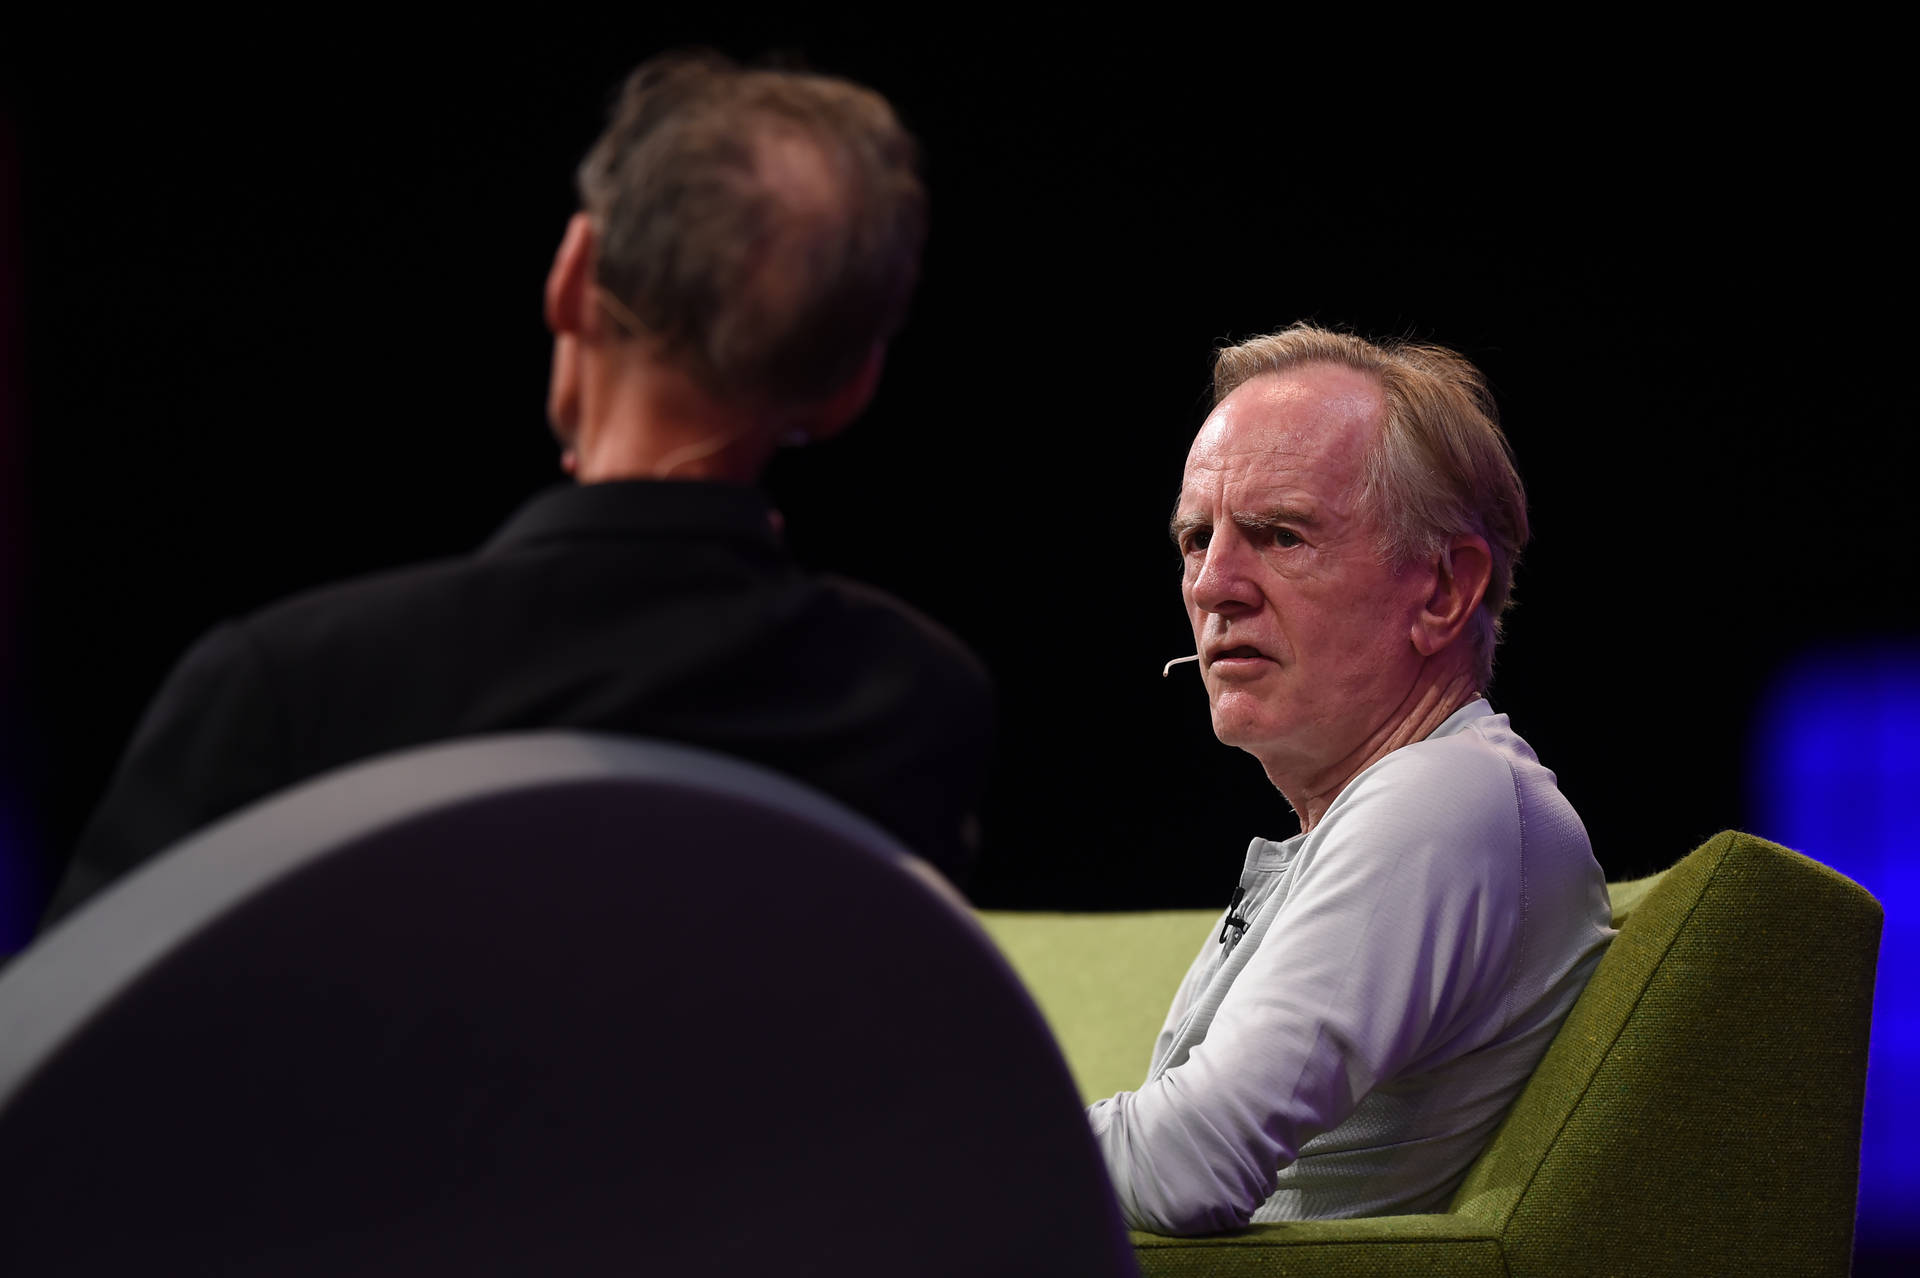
(1166, 669)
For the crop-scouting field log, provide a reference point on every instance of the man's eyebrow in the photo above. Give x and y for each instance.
(1250, 520)
(1179, 525)
(1273, 517)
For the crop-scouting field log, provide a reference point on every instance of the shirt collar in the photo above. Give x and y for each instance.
(1268, 855)
(1478, 708)
(630, 508)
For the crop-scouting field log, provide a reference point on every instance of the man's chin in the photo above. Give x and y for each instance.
(1240, 731)
(1240, 714)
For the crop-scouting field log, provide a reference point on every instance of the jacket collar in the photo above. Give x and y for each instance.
(629, 508)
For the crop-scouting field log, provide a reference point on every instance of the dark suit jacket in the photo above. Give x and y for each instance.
(658, 609)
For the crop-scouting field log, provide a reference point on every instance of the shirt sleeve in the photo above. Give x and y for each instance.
(207, 745)
(1397, 938)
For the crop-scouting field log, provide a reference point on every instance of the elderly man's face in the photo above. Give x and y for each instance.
(1304, 635)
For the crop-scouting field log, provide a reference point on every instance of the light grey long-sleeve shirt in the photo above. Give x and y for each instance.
(1404, 966)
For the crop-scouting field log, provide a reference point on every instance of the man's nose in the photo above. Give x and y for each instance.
(1222, 583)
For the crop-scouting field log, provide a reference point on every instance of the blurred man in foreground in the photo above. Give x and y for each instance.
(747, 246)
(1386, 980)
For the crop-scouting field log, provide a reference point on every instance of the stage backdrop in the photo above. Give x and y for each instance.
(283, 326)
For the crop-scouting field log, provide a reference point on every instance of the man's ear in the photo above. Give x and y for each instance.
(1460, 577)
(569, 300)
(570, 314)
(836, 412)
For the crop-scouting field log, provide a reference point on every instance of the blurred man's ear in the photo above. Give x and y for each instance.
(836, 412)
(569, 299)
(1460, 577)
(570, 316)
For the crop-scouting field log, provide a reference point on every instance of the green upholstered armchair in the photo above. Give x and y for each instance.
(1699, 1112)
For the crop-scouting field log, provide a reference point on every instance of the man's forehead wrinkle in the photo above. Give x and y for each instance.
(1278, 467)
(1324, 483)
(1246, 496)
(1250, 470)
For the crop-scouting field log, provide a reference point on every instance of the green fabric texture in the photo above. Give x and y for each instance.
(1104, 983)
(1698, 1113)
(1447, 1246)
(1625, 897)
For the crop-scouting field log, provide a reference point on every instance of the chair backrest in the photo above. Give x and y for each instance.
(538, 1004)
(1699, 1111)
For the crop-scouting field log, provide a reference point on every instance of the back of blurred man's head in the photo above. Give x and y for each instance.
(760, 228)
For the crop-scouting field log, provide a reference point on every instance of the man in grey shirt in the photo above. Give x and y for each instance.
(1386, 980)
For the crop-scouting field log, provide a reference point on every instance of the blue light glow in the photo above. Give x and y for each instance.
(1836, 775)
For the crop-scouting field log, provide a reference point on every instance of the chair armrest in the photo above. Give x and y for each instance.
(1448, 1246)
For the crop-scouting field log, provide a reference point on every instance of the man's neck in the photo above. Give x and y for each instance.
(1430, 702)
(646, 419)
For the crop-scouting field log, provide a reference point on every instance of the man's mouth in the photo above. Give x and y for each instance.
(1240, 656)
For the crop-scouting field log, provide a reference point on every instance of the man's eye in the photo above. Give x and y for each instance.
(1198, 539)
(1284, 537)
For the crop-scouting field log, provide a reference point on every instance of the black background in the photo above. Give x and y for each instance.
(282, 325)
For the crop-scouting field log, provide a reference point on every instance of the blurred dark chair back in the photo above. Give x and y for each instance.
(538, 1004)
